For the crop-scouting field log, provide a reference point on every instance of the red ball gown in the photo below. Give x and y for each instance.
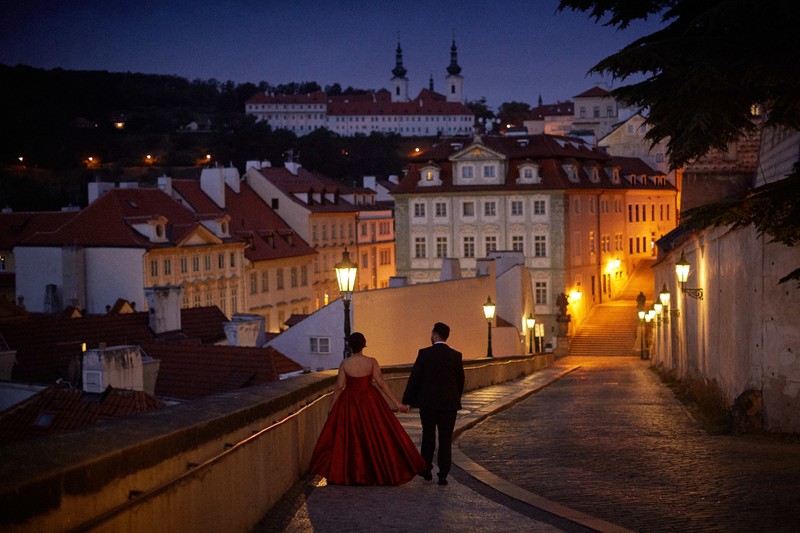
(363, 443)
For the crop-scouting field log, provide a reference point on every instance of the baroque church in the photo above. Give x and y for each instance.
(428, 114)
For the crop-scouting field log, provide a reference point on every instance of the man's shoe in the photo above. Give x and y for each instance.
(426, 475)
(442, 481)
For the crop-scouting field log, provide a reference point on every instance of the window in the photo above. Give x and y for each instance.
(253, 283)
(293, 277)
(304, 275)
(324, 232)
(516, 208)
(154, 268)
(540, 292)
(221, 260)
(319, 345)
(386, 257)
(167, 267)
(469, 246)
(233, 259)
(488, 171)
(518, 243)
(491, 244)
(207, 262)
(596, 111)
(539, 207)
(467, 171)
(489, 209)
(419, 210)
(265, 281)
(577, 205)
(279, 279)
(364, 260)
(195, 264)
(441, 209)
(184, 265)
(591, 242)
(441, 247)
(419, 247)
(468, 209)
(539, 246)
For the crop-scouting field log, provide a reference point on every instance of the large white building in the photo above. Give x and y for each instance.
(428, 114)
(581, 218)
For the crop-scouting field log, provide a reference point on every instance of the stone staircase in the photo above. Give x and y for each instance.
(610, 329)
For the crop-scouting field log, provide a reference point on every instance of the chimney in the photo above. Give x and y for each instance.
(310, 195)
(212, 182)
(165, 184)
(164, 303)
(451, 269)
(118, 366)
(246, 330)
(370, 182)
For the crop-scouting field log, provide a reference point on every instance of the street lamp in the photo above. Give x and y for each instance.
(641, 321)
(531, 323)
(346, 279)
(682, 268)
(488, 312)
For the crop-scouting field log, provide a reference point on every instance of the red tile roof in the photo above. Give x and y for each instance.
(306, 181)
(380, 102)
(16, 227)
(593, 92)
(550, 152)
(108, 221)
(56, 409)
(49, 347)
(251, 221)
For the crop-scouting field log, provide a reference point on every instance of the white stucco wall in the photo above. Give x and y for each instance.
(114, 273)
(745, 333)
(36, 268)
(397, 322)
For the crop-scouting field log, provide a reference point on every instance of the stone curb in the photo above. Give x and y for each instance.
(541, 380)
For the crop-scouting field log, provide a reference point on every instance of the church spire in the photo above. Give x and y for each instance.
(399, 71)
(454, 69)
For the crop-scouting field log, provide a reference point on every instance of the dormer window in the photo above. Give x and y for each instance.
(529, 173)
(430, 176)
(572, 172)
(615, 175)
(467, 171)
(159, 230)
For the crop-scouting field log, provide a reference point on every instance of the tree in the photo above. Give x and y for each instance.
(705, 69)
(513, 113)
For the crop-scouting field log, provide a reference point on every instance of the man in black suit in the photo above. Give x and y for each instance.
(435, 386)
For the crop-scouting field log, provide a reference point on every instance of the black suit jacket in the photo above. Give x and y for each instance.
(437, 379)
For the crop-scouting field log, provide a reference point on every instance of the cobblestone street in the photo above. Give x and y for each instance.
(610, 440)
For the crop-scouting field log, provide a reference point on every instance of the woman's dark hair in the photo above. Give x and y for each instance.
(357, 341)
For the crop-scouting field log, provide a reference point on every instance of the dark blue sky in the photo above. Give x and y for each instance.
(508, 50)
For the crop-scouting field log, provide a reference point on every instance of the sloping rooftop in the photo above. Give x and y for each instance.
(251, 220)
(108, 221)
(57, 409)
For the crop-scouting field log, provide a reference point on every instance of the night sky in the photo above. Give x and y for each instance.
(517, 52)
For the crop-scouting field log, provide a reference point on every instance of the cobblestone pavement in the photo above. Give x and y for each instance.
(610, 440)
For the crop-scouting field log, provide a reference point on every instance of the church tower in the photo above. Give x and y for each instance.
(399, 81)
(454, 81)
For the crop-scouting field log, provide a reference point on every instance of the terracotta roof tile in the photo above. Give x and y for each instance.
(56, 409)
(251, 221)
(16, 227)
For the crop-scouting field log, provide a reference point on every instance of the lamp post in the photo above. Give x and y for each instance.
(531, 323)
(648, 317)
(641, 322)
(346, 279)
(488, 312)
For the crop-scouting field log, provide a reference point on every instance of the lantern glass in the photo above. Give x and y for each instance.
(530, 322)
(488, 309)
(346, 274)
(682, 269)
(663, 296)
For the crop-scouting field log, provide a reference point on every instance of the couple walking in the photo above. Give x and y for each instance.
(363, 443)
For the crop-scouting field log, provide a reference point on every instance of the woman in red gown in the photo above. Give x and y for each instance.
(362, 442)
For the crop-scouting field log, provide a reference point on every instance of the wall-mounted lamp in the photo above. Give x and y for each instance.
(682, 268)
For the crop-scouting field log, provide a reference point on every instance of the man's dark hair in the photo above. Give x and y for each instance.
(357, 341)
(441, 329)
